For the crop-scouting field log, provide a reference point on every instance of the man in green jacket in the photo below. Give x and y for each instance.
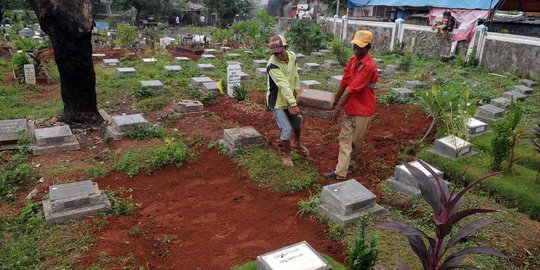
(283, 85)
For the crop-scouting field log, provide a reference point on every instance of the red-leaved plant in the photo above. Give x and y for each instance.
(446, 213)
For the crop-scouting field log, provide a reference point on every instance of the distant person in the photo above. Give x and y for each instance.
(283, 85)
(202, 20)
(177, 21)
(359, 101)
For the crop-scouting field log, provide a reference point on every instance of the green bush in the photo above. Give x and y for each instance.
(240, 92)
(26, 44)
(501, 144)
(308, 36)
(362, 254)
(143, 132)
(19, 60)
(341, 50)
(120, 205)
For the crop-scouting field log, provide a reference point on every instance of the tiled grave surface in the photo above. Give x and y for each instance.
(54, 139)
(126, 71)
(404, 182)
(299, 256)
(346, 201)
(309, 83)
(452, 147)
(124, 123)
(73, 201)
(187, 106)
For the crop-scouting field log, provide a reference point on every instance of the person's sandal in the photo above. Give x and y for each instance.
(302, 150)
(333, 175)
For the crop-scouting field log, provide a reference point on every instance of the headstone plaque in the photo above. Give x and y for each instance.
(476, 127)
(452, 147)
(11, 129)
(210, 87)
(300, 256)
(233, 78)
(229, 63)
(325, 51)
(346, 201)
(317, 54)
(29, 74)
(244, 76)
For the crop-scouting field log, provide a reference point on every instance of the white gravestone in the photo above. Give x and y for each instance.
(233, 78)
(300, 256)
(29, 74)
(452, 147)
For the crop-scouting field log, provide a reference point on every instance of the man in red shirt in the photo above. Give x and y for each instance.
(359, 101)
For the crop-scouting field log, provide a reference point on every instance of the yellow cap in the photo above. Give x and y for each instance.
(362, 38)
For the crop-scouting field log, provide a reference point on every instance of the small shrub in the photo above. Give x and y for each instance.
(362, 254)
(308, 206)
(502, 144)
(335, 230)
(221, 147)
(240, 92)
(19, 60)
(151, 104)
(341, 50)
(308, 36)
(209, 98)
(142, 132)
(144, 92)
(390, 98)
(119, 204)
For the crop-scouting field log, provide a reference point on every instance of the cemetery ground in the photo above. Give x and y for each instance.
(217, 211)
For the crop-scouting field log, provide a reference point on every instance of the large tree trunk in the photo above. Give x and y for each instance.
(69, 24)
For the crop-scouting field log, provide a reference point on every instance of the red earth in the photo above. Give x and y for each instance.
(208, 214)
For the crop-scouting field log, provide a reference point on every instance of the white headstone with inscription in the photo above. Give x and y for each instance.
(233, 78)
(29, 74)
(300, 256)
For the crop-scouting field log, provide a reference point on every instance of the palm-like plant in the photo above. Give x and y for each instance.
(536, 142)
(446, 213)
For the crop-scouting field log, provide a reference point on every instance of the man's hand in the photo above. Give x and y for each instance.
(294, 110)
(335, 114)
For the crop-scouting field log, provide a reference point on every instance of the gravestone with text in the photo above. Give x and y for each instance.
(299, 256)
(29, 74)
(346, 201)
(73, 201)
(54, 139)
(233, 78)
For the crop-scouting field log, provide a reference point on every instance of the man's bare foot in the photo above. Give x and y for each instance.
(302, 150)
(287, 161)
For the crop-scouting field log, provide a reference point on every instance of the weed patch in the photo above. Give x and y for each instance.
(141, 132)
(120, 204)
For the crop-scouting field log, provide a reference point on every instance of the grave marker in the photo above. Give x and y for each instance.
(413, 84)
(110, 62)
(403, 93)
(149, 60)
(209, 51)
(172, 68)
(452, 147)
(208, 56)
(261, 72)
(346, 201)
(125, 123)
(54, 139)
(242, 136)
(126, 71)
(197, 82)
(29, 74)
(476, 127)
(74, 201)
(501, 102)
(164, 41)
(331, 63)
(316, 99)
(299, 56)
(153, 84)
(335, 80)
(490, 113)
(10, 130)
(309, 83)
(299, 256)
(187, 106)
(233, 55)
(205, 67)
(210, 87)
(404, 182)
(525, 90)
(517, 96)
(182, 59)
(312, 66)
(233, 78)
(528, 83)
(260, 63)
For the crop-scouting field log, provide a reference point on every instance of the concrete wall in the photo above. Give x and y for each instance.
(499, 53)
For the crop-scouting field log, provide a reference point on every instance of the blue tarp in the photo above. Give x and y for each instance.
(457, 4)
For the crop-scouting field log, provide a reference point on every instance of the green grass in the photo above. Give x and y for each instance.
(267, 170)
(517, 189)
(28, 242)
(253, 265)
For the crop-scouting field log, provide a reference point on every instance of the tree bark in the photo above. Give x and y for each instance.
(69, 25)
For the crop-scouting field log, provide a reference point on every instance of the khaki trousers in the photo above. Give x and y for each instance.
(351, 140)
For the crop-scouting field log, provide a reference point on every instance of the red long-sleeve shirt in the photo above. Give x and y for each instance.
(360, 82)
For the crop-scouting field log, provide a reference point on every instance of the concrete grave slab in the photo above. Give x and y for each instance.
(490, 113)
(244, 76)
(300, 70)
(198, 81)
(528, 83)
(525, 90)
(205, 67)
(260, 63)
(346, 201)
(229, 63)
(317, 54)
(153, 84)
(241, 137)
(182, 59)
(517, 96)
(125, 123)
(299, 56)
(316, 99)
(208, 56)
(335, 80)
(403, 93)
(54, 139)
(309, 83)
(501, 102)
(10, 130)
(209, 51)
(73, 201)
(126, 71)
(404, 182)
(311, 66)
(210, 87)
(172, 68)
(187, 106)
(261, 72)
(315, 112)
(390, 69)
(233, 55)
(414, 84)
(294, 257)
(325, 51)
(149, 60)
(331, 63)
(225, 48)
(98, 55)
(111, 62)
(452, 147)
(476, 127)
